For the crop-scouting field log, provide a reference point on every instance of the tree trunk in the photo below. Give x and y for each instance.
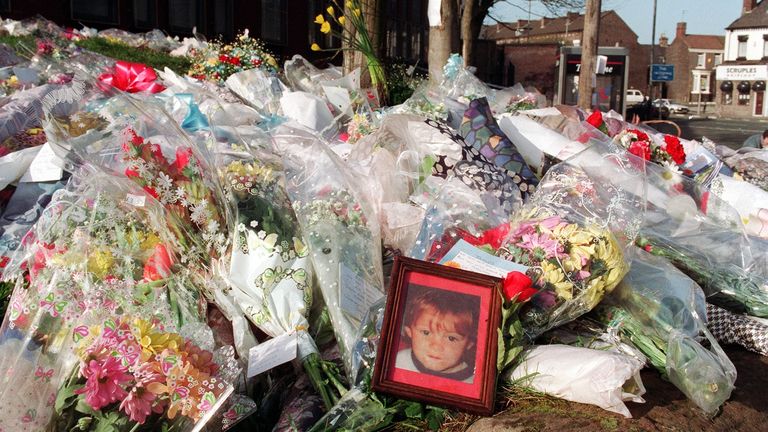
(467, 36)
(589, 53)
(440, 40)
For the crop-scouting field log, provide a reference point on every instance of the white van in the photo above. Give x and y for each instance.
(634, 97)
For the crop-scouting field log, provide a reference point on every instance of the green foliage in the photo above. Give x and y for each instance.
(6, 289)
(121, 51)
(400, 84)
(23, 45)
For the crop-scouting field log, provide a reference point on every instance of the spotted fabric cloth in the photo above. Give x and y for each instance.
(480, 130)
(728, 327)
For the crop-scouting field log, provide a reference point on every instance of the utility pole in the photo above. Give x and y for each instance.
(653, 55)
(587, 77)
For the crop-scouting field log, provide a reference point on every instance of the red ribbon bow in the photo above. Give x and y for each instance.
(132, 77)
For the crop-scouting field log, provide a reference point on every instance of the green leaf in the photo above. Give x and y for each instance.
(83, 407)
(65, 398)
(414, 410)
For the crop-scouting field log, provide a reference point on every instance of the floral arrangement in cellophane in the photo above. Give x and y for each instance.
(358, 127)
(181, 187)
(31, 137)
(218, 60)
(637, 142)
(573, 267)
(134, 375)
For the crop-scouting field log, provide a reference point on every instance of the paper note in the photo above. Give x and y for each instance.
(467, 257)
(136, 200)
(356, 294)
(271, 353)
(45, 167)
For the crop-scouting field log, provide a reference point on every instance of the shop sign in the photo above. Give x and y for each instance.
(742, 72)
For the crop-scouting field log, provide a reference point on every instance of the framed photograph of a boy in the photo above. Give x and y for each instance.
(439, 337)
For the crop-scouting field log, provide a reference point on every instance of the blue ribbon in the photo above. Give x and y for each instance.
(452, 66)
(195, 119)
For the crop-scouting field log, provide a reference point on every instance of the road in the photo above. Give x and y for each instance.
(722, 131)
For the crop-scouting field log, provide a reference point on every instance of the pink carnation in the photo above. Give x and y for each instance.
(103, 382)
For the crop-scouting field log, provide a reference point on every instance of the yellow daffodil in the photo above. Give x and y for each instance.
(349, 4)
(325, 27)
(315, 47)
(319, 19)
(356, 11)
(330, 10)
(342, 20)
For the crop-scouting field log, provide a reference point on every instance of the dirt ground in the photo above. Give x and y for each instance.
(666, 408)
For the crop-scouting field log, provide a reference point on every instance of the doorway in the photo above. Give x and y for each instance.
(759, 103)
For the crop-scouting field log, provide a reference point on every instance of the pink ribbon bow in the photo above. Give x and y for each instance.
(132, 77)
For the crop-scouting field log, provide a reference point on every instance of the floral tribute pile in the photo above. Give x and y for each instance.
(218, 60)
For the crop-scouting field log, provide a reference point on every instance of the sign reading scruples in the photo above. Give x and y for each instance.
(742, 72)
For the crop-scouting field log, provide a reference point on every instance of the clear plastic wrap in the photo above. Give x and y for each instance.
(663, 313)
(703, 236)
(574, 232)
(338, 228)
(101, 253)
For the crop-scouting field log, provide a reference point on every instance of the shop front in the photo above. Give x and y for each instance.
(741, 91)
(610, 82)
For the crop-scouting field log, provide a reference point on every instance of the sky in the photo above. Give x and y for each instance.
(701, 16)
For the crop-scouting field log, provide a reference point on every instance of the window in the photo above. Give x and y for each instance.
(727, 97)
(145, 14)
(5, 6)
(742, 51)
(765, 45)
(718, 59)
(104, 12)
(184, 15)
(700, 83)
(273, 20)
(743, 98)
(223, 19)
(701, 61)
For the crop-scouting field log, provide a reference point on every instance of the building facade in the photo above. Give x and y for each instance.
(531, 49)
(695, 58)
(740, 85)
(286, 26)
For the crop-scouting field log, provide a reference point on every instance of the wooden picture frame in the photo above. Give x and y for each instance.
(439, 336)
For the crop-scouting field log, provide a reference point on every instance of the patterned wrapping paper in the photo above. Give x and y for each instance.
(728, 327)
(480, 130)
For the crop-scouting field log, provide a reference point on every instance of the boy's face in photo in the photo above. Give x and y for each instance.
(435, 341)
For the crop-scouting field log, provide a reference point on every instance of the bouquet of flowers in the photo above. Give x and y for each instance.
(574, 267)
(360, 126)
(343, 240)
(101, 250)
(270, 269)
(31, 137)
(135, 375)
(660, 311)
(217, 60)
(670, 155)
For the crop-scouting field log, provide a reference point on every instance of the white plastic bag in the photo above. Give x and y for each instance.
(583, 375)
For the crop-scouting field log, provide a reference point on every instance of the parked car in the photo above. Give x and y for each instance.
(674, 108)
(647, 111)
(634, 97)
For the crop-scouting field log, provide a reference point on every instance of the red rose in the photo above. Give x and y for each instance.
(641, 149)
(494, 236)
(641, 136)
(595, 119)
(675, 149)
(158, 265)
(518, 286)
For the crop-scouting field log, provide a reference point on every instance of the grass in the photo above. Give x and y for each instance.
(121, 51)
(24, 46)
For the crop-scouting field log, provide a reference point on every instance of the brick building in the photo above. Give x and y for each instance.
(695, 58)
(531, 49)
(286, 26)
(740, 85)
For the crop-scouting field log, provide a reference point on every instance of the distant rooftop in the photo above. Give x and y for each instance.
(571, 23)
(708, 42)
(757, 17)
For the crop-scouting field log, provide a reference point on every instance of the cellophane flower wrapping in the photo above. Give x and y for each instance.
(703, 236)
(343, 239)
(136, 138)
(663, 313)
(101, 251)
(574, 231)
